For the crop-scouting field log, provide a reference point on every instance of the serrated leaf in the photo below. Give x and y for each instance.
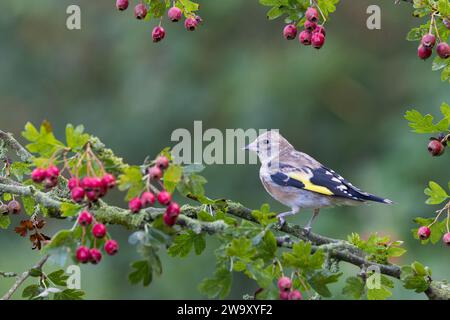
(29, 204)
(320, 279)
(217, 286)
(184, 242)
(75, 137)
(19, 169)
(354, 287)
(5, 221)
(381, 293)
(142, 273)
(69, 209)
(131, 180)
(31, 291)
(69, 294)
(58, 278)
(435, 193)
(172, 177)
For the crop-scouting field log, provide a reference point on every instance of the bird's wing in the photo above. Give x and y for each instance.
(319, 180)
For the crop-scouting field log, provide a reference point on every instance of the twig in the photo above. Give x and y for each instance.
(12, 143)
(24, 276)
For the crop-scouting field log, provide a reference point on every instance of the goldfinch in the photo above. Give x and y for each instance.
(299, 181)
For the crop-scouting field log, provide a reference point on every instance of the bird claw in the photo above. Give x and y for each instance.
(307, 230)
(281, 220)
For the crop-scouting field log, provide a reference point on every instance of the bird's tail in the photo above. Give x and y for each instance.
(371, 197)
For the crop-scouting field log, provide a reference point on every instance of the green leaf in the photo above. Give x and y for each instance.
(301, 257)
(66, 238)
(378, 294)
(189, 6)
(192, 184)
(354, 287)
(29, 204)
(142, 273)
(264, 216)
(19, 169)
(415, 34)
(5, 221)
(241, 248)
(424, 124)
(274, 13)
(444, 8)
(131, 180)
(58, 278)
(75, 137)
(435, 193)
(268, 246)
(43, 142)
(217, 286)
(31, 291)
(69, 209)
(172, 177)
(184, 242)
(320, 279)
(69, 294)
(412, 280)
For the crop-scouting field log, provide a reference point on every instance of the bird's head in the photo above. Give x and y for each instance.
(268, 145)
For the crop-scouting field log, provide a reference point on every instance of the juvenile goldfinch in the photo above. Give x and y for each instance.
(298, 181)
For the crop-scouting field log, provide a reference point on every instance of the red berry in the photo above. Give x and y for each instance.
(99, 230)
(52, 172)
(284, 283)
(424, 52)
(190, 24)
(147, 199)
(174, 14)
(310, 26)
(317, 40)
(424, 233)
(428, 40)
(14, 207)
(436, 148)
(320, 29)
(305, 37)
(162, 162)
(295, 295)
(73, 182)
(158, 33)
(164, 198)
(155, 173)
(446, 238)
(122, 4)
(83, 254)
(312, 14)
(443, 50)
(96, 183)
(96, 255)
(168, 220)
(140, 11)
(111, 247)
(135, 205)
(92, 195)
(77, 194)
(85, 218)
(87, 183)
(173, 209)
(109, 181)
(38, 175)
(50, 182)
(284, 295)
(290, 32)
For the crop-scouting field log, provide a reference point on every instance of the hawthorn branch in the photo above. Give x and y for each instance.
(24, 276)
(15, 146)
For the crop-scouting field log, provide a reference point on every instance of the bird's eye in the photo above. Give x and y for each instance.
(266, 141)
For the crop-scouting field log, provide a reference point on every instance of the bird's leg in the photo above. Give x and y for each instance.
(308, 226)
(285, 214)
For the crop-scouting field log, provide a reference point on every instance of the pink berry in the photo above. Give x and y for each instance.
(52, 172)
(284, 283)
(96, 255)
(436, 148)
(111, 247)
(96, 183)
(317, 40)
(155, 173)
(87, 183)
(290, 32)
(164, 198)
(158, 33)
(83, 254)
(99, 230)
(173, 209)
(428, 40)
(443, 50)
(424, 233)
(295, 295)
(424, 52)
(73, 183)
(312, 14)
(174, 14)
(122, 4)
(50, 182)
(310, 26)
(38, 175)
(446, 238)
(92, 195)
(135, 205)
(320, 29)
(305, 37)
(284, 295)
(162, 162)
(147, 199)
(140, 11)
(85, 218)
(109, 181)
(168, 220)
(190, 24)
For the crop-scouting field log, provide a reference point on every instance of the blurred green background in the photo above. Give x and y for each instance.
(343, 105)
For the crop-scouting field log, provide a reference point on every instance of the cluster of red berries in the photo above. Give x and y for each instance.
(313, 33)
(436, 146)
(94, 255)
(90, 188)
(174, 14)
(12, 207)
(425, 49)
(286, 292)
(424, 233)
(147, 198)
(49, 176)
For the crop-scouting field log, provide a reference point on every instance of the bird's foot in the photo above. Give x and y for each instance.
(281, 220)
(307, 230)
